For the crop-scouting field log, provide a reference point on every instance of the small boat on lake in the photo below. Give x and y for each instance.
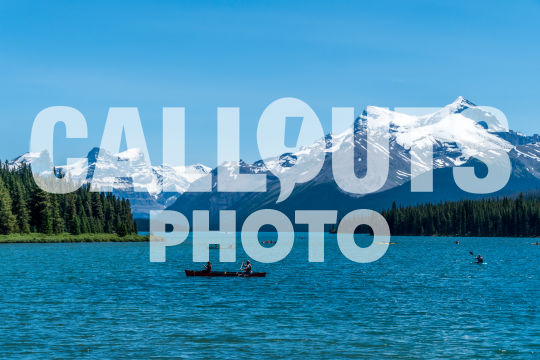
(217, 247)
(224, 273)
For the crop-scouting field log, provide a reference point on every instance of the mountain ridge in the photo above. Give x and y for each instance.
(450, 149)
(452, 146)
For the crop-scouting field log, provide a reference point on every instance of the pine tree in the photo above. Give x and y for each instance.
(56, 218)
(20, 210)
(7, 220)
(122, 230)
(75, 225)
(41, 212)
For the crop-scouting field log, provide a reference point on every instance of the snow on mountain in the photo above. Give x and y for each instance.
(24, 159)
(448, 126)
(173, 178)
(456, 133)
(529, 156)
(453, 136)
(162, 183)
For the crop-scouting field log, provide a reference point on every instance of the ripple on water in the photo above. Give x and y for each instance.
(424, 298)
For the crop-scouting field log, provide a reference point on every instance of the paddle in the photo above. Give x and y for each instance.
(478, 262)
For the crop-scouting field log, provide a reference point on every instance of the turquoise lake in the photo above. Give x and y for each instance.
(424, 299)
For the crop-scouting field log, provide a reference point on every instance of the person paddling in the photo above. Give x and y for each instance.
(208, 267)
(479, 258)
(248, 269)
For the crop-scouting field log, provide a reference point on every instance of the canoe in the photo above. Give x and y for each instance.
(224, 273)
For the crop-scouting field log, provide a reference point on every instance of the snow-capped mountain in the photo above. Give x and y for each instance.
(162, 184)
(454, 138)
(456, 133)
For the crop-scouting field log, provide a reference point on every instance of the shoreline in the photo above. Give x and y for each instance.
(36, 238)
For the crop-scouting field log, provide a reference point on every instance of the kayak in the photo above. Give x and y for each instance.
(224, 273)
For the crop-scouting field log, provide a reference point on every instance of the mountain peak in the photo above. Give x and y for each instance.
(93, 155)
(461, 103)
(202, 168)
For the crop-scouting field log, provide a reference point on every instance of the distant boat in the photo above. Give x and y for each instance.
(217, 247)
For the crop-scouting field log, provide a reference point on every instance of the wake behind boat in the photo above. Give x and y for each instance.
(224, 273)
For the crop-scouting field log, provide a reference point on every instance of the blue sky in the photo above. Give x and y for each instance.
(93, 55)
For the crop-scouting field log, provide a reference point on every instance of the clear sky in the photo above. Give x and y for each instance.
(201, 55)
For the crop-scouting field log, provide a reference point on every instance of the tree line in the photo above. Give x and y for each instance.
(25, 208)
(507, 216)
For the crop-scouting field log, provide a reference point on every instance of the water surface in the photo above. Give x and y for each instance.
(423, 299)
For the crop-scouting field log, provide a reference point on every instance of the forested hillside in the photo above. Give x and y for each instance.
(519, 216)
(25, 208)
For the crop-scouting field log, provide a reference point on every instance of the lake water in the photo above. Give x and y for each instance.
(424, 299)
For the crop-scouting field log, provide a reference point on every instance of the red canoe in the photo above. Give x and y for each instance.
(224, 273)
